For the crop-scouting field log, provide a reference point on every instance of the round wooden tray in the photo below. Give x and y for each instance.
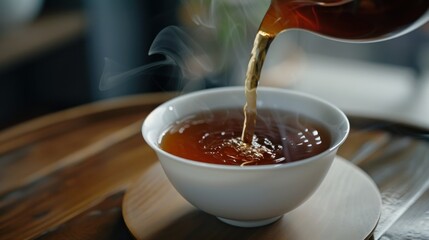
(346, 206)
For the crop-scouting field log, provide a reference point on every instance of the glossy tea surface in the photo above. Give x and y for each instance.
(215, 137)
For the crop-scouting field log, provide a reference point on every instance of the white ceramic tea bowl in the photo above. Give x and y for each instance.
(247, 196)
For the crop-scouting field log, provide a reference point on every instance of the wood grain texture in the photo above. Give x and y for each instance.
(64, 175)
(399, 165)
(413, 224)
(50, 177)
(346, 206)
(103, 221)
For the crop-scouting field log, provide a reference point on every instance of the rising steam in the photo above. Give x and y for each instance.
(216, 39)
(179, 50)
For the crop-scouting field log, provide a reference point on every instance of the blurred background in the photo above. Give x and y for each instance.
(56, 54)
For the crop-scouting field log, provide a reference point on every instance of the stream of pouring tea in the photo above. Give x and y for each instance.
(281, 15)
(259, 51)
(268, 30)
(352, 20)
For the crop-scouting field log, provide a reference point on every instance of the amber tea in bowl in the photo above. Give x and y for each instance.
(197, 140)
(214, 136)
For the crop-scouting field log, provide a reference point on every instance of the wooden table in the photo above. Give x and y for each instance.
(63, 176)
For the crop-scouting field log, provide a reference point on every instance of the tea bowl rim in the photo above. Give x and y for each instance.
(155, 145)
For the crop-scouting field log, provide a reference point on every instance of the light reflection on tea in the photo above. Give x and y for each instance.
(214, 137)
